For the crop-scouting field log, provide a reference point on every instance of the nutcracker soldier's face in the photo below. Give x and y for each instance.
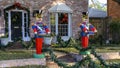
(39, 17)
(85, 18)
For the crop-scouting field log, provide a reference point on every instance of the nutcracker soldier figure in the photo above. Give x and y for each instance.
(86, 30)
(40, 29)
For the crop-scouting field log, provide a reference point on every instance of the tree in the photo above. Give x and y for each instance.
(115, 30)
(96, 4)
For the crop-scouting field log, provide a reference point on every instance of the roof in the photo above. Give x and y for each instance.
(60, 8)
(95, 13)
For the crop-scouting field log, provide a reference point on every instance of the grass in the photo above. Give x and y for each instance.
(113, 61)
(16, 54)
(19, 54)
(30, 66)
(71, 49)
(98, 49)
(24, 54)
(107, 49)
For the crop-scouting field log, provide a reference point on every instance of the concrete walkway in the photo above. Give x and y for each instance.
(105, 56)
(22, 62)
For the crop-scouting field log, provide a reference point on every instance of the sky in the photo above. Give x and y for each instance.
(101, 1)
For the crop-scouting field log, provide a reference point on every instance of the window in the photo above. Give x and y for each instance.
(52, 22)
(26, 24)
(63, 20)
(63, 24)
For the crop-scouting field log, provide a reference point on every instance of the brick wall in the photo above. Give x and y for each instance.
(113, 9)
(78, 6)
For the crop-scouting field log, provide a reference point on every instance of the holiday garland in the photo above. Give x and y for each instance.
(62, 64)
(78, 64)
(86, 62)
(63, 43)
(82, 63)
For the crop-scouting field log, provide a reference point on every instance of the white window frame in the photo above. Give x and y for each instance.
(69, 25)
(25, 38)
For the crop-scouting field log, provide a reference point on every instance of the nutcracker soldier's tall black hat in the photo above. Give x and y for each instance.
(84, 15)
(39, 14)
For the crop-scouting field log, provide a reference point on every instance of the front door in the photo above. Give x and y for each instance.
(16, 25)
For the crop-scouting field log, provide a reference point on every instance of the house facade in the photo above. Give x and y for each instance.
(98, 19)
(62, 16)
(113, 8)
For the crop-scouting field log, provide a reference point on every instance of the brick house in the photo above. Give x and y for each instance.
(16, 17)
(113, 8)
(97, 18)
(102, 20)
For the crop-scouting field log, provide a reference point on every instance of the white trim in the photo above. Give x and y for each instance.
(23, 31)
(71, 28)
(27, 38)
(62, 9)
(9, 25)
(56, 21)
(65, 38)
(69, 25)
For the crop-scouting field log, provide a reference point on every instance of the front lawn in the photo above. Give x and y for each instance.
(24, 54)
(68, 49)
(113, 61)
(30, 66)
(16, 54)
(98, 49)
(108, 49)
